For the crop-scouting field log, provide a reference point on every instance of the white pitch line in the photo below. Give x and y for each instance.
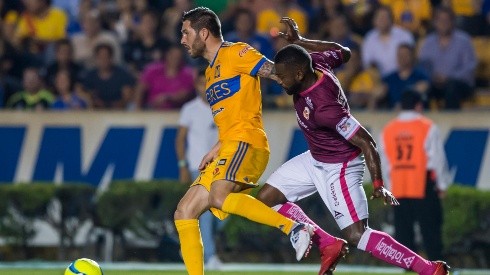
(243, 267)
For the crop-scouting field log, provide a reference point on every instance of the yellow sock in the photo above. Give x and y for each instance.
(191, 246)
(254, 210)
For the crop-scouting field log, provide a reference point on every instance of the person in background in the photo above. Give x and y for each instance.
(196, 135)
(110, 86)
(63, 61)
(449, 58)
(268, 18)
(92, 35)
(412, 15)
(171, 19)
(467, 15)
(245, 32)
(126, 19)
(34, 96)
(381, 43)
(41, 23)
(67, 97)
(166, 84)
(362, 86)
(407, 76)
(323, 13)
(72, 10)
(415, 169)
(339, 32)
(145, 46)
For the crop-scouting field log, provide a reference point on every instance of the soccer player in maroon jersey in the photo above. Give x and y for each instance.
(339, 147)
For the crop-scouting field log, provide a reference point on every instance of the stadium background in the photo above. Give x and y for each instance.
(99, 144)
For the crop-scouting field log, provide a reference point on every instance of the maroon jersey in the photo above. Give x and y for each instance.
(323, 113)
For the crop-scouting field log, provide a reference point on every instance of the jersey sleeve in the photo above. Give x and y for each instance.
(331, 58)
(339, 119)
(245, 59)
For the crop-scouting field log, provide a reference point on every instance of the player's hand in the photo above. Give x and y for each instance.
(210, 156)
(292, 32)
(207, 159)
(386, 195)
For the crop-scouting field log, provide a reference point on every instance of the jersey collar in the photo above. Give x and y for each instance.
(214, 59)
(303, 93)
(408, 115)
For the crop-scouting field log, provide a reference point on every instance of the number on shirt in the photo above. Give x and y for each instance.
(404, 151)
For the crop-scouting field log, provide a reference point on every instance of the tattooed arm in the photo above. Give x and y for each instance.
(267, 70)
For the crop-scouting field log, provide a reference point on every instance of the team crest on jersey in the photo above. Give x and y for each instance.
(217, 72)
(306, 113)
(309, 103)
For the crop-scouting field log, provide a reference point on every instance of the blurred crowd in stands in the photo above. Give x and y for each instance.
(126, 54)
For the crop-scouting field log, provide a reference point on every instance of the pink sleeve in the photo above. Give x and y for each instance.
(331, 58)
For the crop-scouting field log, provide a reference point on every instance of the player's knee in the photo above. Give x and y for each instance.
(270, 196)
(265, 197)
(179, 215)
(184, 213)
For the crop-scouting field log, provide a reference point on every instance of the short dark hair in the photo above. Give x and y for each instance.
(407, 46)
(293, 55)
(410, 99)
(105, 46)
(202, 17)
(247, 12)
(63, 42)
(388, 10)
(446, 10)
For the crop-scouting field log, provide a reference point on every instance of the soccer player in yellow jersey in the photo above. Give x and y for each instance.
(240, 156)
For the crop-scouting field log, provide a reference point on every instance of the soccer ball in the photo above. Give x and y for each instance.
(83, 266)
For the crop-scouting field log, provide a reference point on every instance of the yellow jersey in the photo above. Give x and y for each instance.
(233, 92)
(52, 27)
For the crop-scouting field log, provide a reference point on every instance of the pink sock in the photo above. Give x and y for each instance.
(387, 249)
(294, 212)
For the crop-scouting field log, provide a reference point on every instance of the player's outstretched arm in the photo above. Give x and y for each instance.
(268, 70)
(293, 36)
(366, 143)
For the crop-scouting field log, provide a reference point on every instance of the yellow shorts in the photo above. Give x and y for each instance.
(237, 161)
